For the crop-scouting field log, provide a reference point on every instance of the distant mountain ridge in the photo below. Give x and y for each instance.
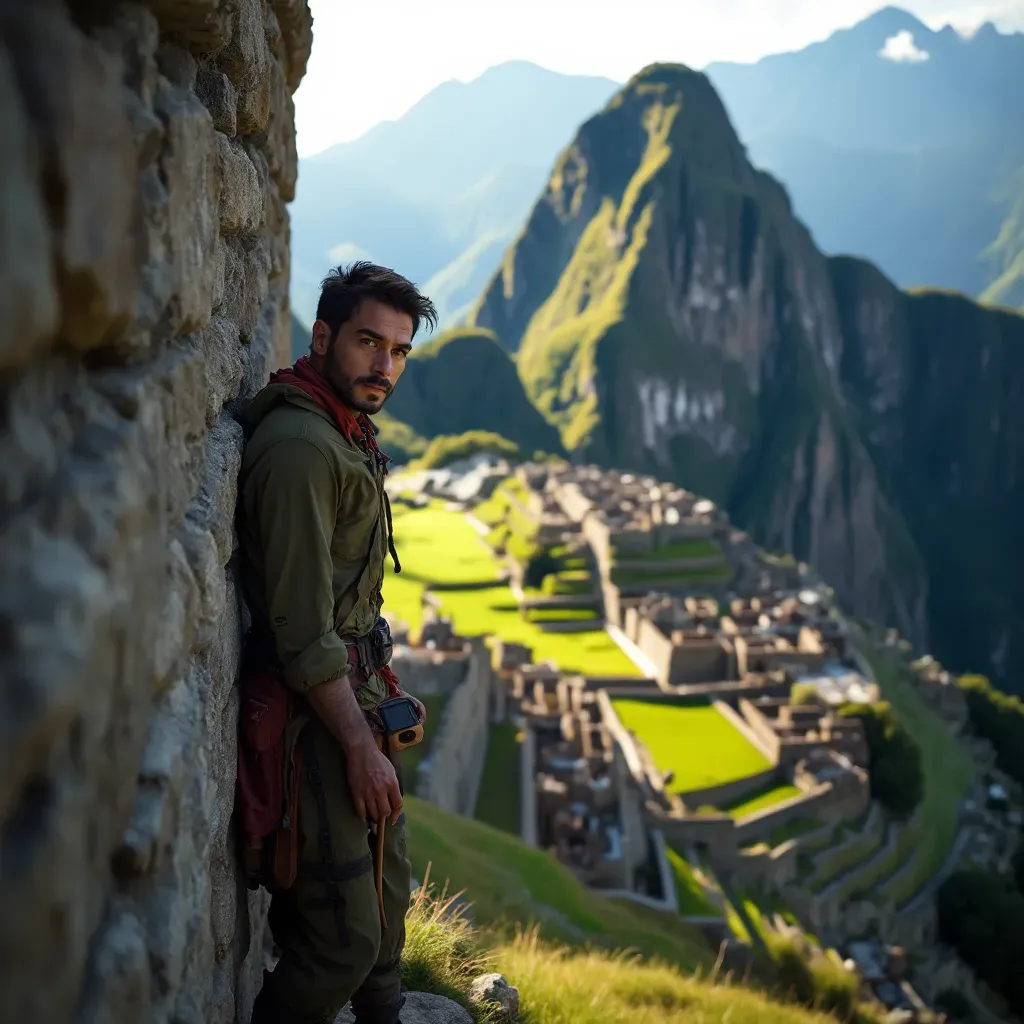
(910, 162)
(441, 192)
(669, 314)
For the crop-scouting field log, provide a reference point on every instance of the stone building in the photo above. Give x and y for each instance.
(148, 156)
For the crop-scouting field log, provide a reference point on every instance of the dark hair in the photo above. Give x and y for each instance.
(344, 288)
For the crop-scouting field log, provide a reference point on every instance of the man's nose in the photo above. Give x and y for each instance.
(383, 363)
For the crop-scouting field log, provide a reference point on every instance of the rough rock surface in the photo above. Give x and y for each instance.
(148, 155)
(423, 1008)
(495, 989)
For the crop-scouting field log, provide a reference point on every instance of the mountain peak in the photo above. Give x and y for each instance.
(891, 20)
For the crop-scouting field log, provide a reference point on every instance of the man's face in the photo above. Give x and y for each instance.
(366, 358)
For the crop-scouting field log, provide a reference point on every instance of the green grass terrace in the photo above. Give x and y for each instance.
(700, 746)
(761, 800)
(440, 550)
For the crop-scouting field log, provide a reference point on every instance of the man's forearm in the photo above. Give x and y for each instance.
(335, 703)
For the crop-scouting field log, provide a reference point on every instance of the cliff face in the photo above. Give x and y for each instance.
(937, 385)
(669, 314)
(148, 155)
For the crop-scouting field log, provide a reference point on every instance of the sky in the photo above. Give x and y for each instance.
(373, 59)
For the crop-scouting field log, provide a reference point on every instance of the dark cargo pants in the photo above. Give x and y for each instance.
(327, 925)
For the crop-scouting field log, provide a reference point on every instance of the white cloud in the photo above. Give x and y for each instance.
(902, 49)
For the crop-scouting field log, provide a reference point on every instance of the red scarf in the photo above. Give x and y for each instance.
(354, 427)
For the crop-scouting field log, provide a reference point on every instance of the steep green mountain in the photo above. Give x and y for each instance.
(896, 143)
(458, 381)
(669, 314)
(1008, 253)
(439, 193)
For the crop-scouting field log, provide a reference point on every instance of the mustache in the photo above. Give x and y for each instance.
(375, 382)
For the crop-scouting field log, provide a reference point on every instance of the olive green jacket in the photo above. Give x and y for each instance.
(313, 534)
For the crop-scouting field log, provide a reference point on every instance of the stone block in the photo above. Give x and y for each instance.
(223, 351)
(218, 95)
(119, 605)
(213, 508)
(189, 165)
(204, 24)
(28, 291)
(245, 57)
(72, 92)
(177, 65)
(241, 204)
(253, 110)
(246, 271)
(296, 26)
(282, 155)
(176, 631)
(133, 36)
(423, 1008)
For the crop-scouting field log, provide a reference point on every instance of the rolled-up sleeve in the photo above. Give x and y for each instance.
(295, 497)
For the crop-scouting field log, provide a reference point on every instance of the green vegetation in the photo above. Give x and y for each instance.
(563, 614)
(574, 955)
(982, 917)
(897, 782)
(513, 887)
(635, 577)
(497, 803)
(946, 766)
(803, 693)
(768, 797)
(439, 548)
(691, 897)
(1008, 253)
(448, 448)
(567, 583)
(695, 742)
(999, 718)
(398, 439)
(462, 380)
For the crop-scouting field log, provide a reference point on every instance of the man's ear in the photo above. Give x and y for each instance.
(321, 340)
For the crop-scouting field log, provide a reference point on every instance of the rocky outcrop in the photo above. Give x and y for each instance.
(148, 156)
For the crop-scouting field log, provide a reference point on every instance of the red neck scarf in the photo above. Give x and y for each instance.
(354, 427)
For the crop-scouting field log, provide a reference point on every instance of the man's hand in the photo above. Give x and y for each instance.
(373, 783)
(420, 709)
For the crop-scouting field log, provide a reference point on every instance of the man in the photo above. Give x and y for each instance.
(314, 533)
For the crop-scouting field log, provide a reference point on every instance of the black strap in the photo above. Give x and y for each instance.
(329, 868)
(391, 534)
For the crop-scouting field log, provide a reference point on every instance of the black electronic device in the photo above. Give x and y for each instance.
(401, 720)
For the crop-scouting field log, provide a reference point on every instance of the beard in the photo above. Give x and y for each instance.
(346, 389)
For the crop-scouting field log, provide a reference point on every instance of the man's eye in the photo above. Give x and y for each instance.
(399, 353)
(368, 341)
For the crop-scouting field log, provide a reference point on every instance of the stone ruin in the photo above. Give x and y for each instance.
(148, 154)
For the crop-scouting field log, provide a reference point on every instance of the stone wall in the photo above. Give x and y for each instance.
(148, 154)
(450, 775)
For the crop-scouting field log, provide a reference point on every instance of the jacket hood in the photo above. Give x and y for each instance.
(270, 398)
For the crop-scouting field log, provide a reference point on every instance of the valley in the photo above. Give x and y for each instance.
(725, 777)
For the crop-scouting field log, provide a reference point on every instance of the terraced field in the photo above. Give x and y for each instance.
(439, 549)
(695, 742)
